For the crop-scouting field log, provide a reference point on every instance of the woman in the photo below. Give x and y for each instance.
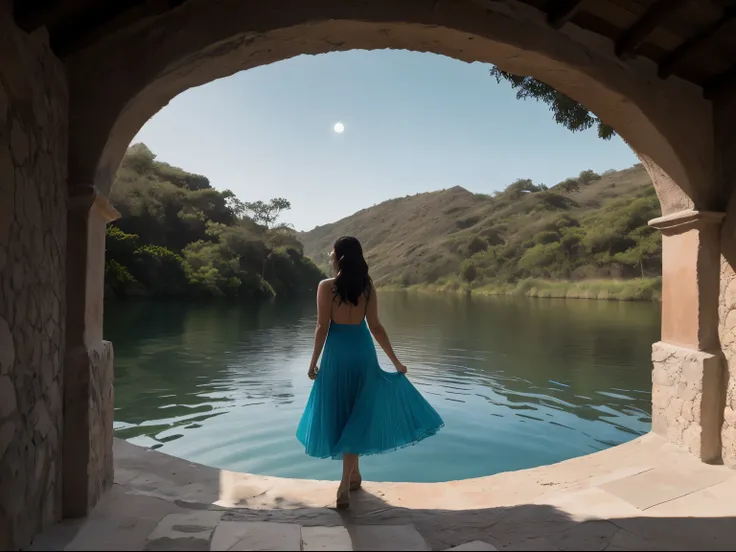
(355, 408)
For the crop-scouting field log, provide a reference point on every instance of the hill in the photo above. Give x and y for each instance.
(590, 227)
(178, 236)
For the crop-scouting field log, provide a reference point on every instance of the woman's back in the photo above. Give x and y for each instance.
(345, 312)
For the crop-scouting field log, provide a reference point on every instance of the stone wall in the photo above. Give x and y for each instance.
(727, 317)
(725, 139)
(33, 165)
(727, 331)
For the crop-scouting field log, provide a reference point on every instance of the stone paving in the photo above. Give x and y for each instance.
(645, 495)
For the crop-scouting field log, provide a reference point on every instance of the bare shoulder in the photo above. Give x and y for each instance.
(326, 285)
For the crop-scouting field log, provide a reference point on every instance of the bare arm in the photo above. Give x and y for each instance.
(324, 312)
(379, 332)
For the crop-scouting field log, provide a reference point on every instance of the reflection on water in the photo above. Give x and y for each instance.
(520, 382)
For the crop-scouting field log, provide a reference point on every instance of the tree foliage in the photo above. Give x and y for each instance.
(566, 111)
(178, 236)
(267, 213)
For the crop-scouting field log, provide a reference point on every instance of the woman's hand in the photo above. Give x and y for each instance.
(400, 368)
(312, 374)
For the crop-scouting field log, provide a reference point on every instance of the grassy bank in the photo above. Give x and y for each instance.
(639, 289)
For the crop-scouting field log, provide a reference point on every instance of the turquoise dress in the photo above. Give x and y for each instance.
(357, 408)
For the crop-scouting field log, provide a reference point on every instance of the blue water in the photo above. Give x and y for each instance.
(519, 382)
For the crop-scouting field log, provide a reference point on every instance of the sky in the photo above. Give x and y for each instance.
(413, 122)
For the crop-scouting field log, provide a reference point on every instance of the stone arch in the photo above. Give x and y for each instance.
(122, 80)
(203, 41)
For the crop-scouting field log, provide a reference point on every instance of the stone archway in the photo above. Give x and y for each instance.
(200, 42)
(70, 120)
(206, 42)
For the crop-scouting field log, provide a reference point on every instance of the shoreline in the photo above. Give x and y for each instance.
(638, 289)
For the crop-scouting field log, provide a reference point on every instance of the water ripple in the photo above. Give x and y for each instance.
(520, 383)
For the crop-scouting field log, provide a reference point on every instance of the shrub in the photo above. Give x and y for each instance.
(477, 244)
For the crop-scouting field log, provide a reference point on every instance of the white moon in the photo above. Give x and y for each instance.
(339, 128)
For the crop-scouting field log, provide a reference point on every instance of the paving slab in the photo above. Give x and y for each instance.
(256, 535)
(474, 546)
(718, 501)
(590, 504)
(387, 537)
(663, 484)
(191, 525)
(113, 533)
(318, 539)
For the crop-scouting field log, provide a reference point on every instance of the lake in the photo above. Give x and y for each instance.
(519, 382)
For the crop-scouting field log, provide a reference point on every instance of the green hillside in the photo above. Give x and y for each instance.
(586, 236)
(179, 237)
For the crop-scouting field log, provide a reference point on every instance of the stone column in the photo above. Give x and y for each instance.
(88, 366)
(688, 387)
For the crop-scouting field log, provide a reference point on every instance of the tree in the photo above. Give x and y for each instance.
(569, 185)
(573, 115)
(267, 213)
(522, 186)
(236, 206)
(139, 158)
(588, 176)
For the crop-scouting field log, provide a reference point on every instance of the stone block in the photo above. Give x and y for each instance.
(688, 397)
(101, 415)
(88, 428)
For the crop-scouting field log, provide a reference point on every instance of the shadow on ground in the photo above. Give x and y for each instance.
(152, 488)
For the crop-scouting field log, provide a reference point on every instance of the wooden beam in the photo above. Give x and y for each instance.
(561, 11)
(721, 85)
(670, 63)
(640, 31)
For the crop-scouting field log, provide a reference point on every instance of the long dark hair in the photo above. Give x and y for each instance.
(352, 279)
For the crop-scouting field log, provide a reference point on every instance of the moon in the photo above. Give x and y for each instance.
(339, 128)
